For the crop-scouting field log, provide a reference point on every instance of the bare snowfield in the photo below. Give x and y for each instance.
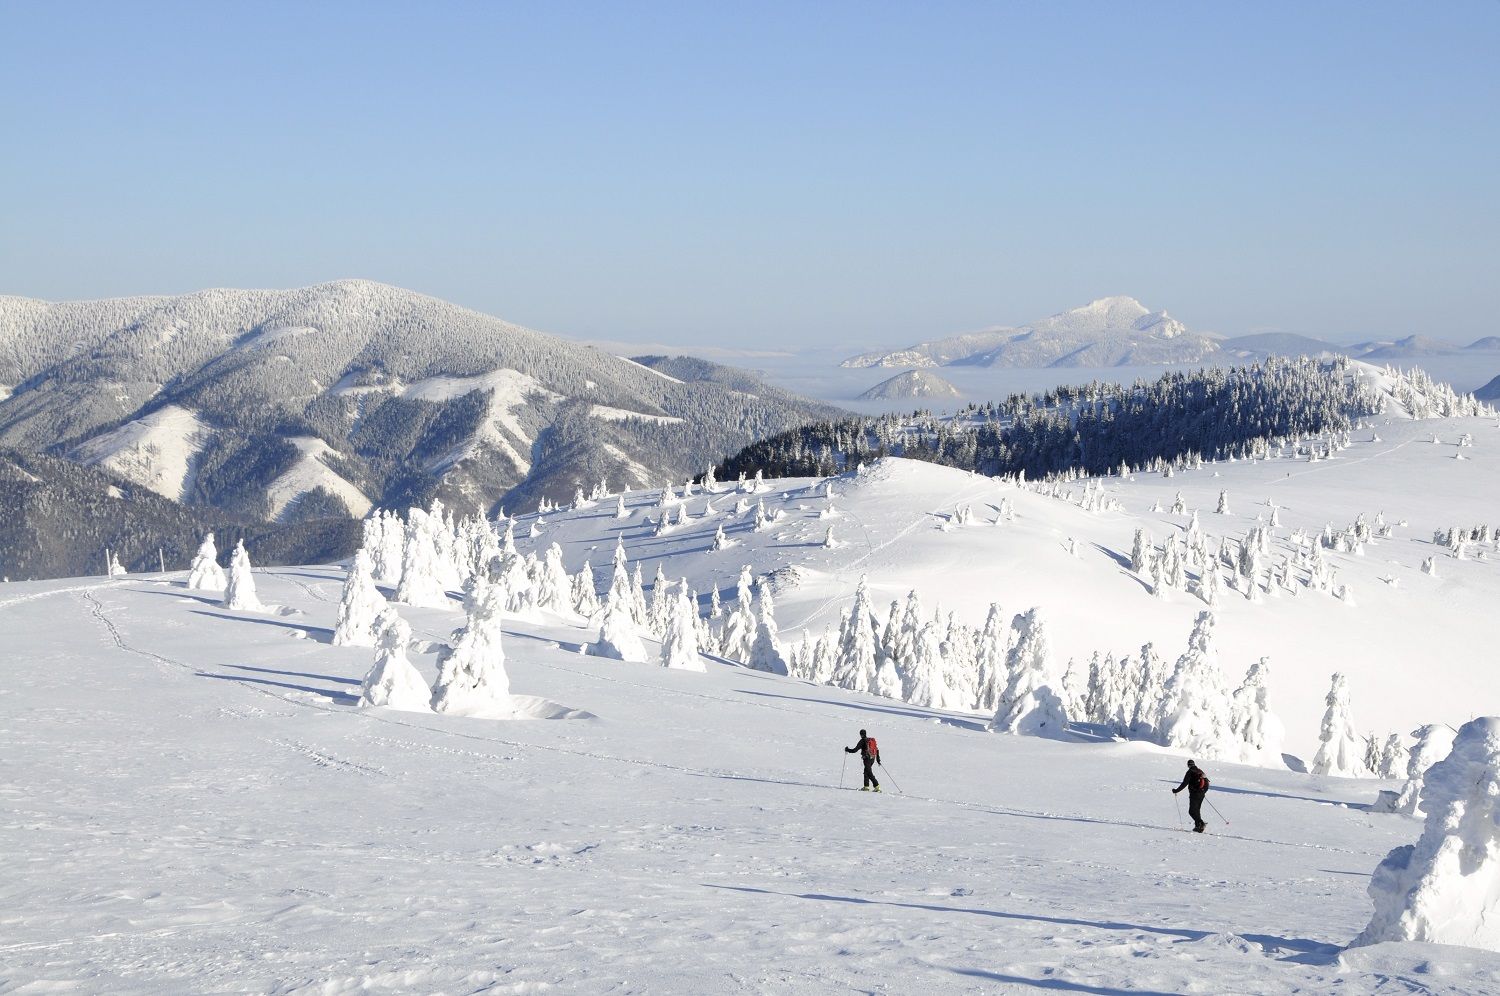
(193, 804)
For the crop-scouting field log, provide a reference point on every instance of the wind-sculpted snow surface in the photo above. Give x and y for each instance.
(1445, 888)
(241, 825)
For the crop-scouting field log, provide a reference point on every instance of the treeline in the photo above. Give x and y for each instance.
(1212, 413)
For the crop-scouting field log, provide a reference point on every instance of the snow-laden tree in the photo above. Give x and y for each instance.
(239, 591)
(1223, 506)
(739, 629)
(515, 577)
(1140, 551)
(766, 652)
(990, 653)
(360, 605)
(1445, 889)
(1029, 706)
(721, 542)
(1393, 757)
(1340, 747)
(471, 679)
(856, 657)
(205, 574)
(926, 679)
(679, 647)
(554, 589)
(1433, 742)
(1150, 692)
(1195, 713)
(619, 636)
(1259, 731)
(393, 682)
(421, 583)
(585, 592)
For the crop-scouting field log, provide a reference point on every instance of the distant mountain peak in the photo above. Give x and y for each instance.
(1108, 331)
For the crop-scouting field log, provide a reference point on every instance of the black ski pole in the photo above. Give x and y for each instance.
(1216, 811)
(890, 776)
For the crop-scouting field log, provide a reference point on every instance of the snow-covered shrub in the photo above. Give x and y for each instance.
(1029, 706)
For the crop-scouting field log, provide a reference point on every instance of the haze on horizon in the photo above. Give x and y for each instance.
(837, 174)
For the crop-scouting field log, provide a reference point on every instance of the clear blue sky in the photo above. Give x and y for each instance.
(768, 174)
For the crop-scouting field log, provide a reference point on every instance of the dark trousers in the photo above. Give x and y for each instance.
(1195, 808)
(870, 780)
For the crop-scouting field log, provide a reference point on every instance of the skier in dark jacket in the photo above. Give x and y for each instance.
(869, 752)
(1196, 783)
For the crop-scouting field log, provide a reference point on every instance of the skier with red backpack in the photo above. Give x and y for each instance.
(869, 752)
(1196, 783)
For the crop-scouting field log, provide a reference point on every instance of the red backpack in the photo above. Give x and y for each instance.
(871, 747)
(1200, 783)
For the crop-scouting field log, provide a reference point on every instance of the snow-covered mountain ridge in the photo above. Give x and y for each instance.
(285, 405)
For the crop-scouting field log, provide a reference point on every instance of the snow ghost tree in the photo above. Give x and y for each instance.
(585, 595)
(393, 682)
(1256, 728)
(471, 678)
(1341, 750)
(421, 585)
(739, 628)
(1445, 889)
(239, 592)
(205, 574)
(619, 637)
(766, 652)
(679, 649)
(360, 605)
(994, 645)
(1195, 712)
(1223, 507)
(1029, 706)
(1433, 742)
(855, 664)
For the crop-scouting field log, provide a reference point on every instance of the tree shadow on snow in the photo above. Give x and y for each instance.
(338, 698)
(1228, 790)
(1114, 555)
(1059, 985)
(1301, 949)
(181, 593)
(910, 712)
(296, 674)
(318, 634)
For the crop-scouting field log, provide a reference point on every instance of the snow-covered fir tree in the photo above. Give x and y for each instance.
(1340, 747)
(205, 574)
(1259, 731)
(393, 682)
(360, 605)
(239, 591)
(1029, 706)
(679, 648)
(471, 678)
(766, 652)
(1195, 713)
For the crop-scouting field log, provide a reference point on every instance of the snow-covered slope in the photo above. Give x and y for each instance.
(157, 450)
(912, 384)
(194, 804)
(1415, 646)
(1111, 331)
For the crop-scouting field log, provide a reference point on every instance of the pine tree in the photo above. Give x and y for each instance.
(856, 659)
(679, 649)
(766, 652)
(1259, 732)
(205, 574)
(1029, 706)
(1195, 714)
